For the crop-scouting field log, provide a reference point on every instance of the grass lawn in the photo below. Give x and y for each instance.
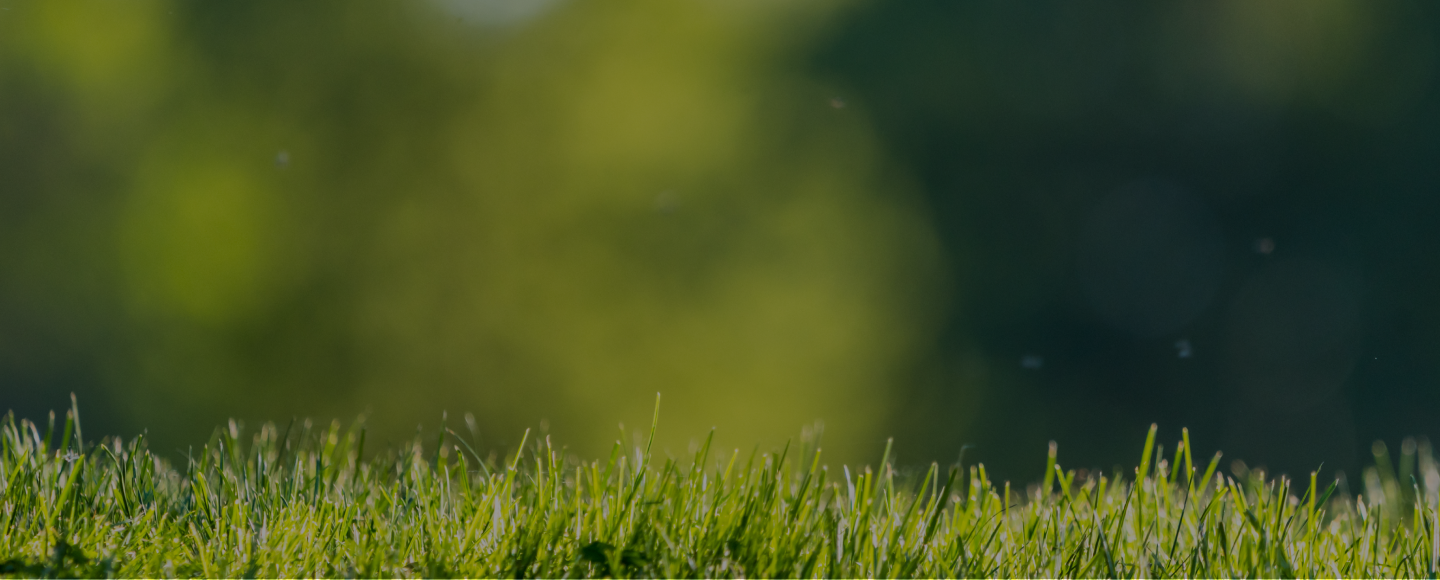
(299, 501)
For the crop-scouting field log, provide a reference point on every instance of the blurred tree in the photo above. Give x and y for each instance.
(328, 207)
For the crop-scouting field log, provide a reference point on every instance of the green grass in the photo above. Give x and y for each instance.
(299, 501)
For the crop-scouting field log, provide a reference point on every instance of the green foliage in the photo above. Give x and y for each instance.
(552, 218)
(304, 501)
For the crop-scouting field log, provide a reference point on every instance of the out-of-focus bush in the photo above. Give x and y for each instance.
(267, 209)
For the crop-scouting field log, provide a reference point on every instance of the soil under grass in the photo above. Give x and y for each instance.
(287, 501)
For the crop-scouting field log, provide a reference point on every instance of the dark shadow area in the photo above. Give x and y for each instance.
(1213, 215)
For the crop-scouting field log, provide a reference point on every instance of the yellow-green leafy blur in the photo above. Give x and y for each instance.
(528, 214)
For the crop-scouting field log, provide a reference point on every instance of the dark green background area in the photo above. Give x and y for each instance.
(982, 223)
(1020, 118)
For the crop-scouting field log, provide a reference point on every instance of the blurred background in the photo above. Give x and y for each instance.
(981, 223)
